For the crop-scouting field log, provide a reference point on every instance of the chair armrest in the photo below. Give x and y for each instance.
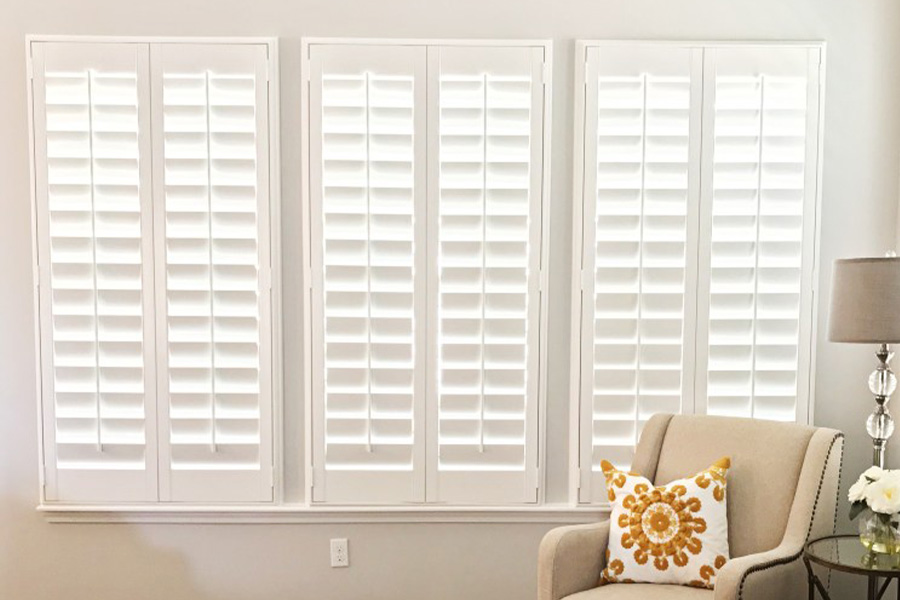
(570, 559)
(776, 573)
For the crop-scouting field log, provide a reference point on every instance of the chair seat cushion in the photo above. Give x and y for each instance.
(643, 591)
(671, 534)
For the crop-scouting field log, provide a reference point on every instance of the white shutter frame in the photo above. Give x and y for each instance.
(779, 61)
(384, 472)
(239, 468)
(80, 475)
(802, 59)
(467, 481)
(645, 65)
(320, 482)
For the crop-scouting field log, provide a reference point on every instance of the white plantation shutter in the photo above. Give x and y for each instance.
(367, 169)
(699, 173)
(95, 270)
(760, 169)
(211, 196)
(641, 193)
(485, 176)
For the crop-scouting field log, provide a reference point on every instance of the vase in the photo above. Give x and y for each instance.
(880, 533)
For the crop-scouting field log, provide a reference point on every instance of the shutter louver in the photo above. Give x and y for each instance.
(93, 203)
(486, 123)
(367, 185)
(211, 173)
(762, 113)
(641, 205)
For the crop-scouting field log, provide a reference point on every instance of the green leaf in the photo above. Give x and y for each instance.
(856, 508)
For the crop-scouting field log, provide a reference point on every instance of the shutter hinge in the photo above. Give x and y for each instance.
(545, 73)
(29, 66)
(583, 278)
(317, 477)
(42, 277)
(578, 478)
(265, 278)
(270, 476)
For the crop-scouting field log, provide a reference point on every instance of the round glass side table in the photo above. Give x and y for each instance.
(846, 553)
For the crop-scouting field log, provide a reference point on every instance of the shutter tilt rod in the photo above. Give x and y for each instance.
(484, 191)
(368, 277)
(96, 290)
(214, 447)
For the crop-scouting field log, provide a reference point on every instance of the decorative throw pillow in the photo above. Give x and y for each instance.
(675, 533)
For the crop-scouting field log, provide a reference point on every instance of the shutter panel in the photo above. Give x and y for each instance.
(367, 125)
(211, 169)
(91, 123)
(486, 134)
(641, 201)
(761, 123)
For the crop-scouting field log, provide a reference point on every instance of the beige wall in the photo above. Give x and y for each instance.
(406, 562)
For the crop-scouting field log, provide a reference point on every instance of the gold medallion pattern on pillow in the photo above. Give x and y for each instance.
(676, 533)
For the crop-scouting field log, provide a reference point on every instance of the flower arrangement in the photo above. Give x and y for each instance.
(876, 496)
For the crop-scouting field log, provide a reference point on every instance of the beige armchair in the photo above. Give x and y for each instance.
(782, 491)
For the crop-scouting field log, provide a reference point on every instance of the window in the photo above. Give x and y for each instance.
(697, 167)
(153, 253)
(426, 187)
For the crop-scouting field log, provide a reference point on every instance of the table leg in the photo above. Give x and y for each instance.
(810, 583)
(873, 588)
(814, 583)
(884, 588)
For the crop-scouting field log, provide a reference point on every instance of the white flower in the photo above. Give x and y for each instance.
(858, 490)
(873, 473)
(883, 495)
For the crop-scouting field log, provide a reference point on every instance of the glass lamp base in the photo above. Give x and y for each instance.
(880, 424)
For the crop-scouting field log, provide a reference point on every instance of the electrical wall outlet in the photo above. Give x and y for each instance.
(340, 554)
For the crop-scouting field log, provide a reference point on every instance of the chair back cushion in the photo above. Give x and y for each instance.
(766, 459)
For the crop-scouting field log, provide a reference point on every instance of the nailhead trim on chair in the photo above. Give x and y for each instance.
(837, 502)
(793, 557)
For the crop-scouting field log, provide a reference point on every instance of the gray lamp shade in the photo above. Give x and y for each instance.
(865, 301)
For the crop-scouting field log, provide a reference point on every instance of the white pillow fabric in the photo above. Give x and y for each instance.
(675, 533)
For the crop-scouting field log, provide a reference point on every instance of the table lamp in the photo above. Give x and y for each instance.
(865, 309)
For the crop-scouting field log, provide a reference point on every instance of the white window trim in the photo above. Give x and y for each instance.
(575, 371)
(277, 367)
(306, 43)
(303, 514)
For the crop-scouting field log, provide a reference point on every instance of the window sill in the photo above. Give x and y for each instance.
(297, 513)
